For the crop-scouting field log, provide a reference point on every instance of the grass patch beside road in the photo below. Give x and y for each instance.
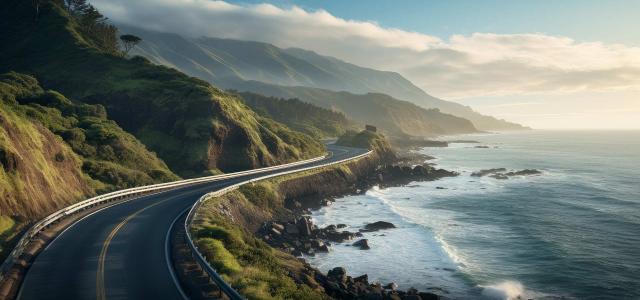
(251, 266)
(6, 224)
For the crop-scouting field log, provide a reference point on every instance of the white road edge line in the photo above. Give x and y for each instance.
(167, 251)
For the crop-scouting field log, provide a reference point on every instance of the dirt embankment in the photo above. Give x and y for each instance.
(35, 162)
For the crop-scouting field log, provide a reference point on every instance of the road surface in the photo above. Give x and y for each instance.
(119, 252)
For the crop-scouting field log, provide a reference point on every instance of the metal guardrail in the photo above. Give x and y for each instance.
(224, 286)
(35, 229)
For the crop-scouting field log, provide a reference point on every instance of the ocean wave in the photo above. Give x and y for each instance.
(507, 290)
(514, 290)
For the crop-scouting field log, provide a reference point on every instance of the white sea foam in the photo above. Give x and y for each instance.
(508, 290)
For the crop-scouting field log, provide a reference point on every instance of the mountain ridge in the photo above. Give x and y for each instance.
(230, 63)
(72, 108)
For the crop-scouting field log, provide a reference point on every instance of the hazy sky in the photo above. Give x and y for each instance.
(546, 64)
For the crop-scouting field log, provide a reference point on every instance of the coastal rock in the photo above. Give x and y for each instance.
(339, 236)
(363, 244)
(501, 173)
(362, 278)
(391, 286)
(338, 274)
(277, 226)
(524, 172)
(428, 296)
(402, 174)
(499, 176)
(304, 226)
(339, 285)
(488, 172)
(275, 231)
(291, 229)
(379, 225)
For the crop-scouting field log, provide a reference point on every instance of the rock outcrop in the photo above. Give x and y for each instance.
(339, 285)
(501, 173)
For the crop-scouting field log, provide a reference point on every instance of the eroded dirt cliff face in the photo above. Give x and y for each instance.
(36, 165)
(313, 188)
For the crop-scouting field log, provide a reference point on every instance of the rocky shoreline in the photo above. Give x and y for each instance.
(299, 237)
(303, 238)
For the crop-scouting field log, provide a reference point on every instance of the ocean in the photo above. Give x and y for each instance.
(572, 232)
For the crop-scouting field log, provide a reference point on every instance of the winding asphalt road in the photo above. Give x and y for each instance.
(119, 252)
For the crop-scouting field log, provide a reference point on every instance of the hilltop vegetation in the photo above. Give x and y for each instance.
(304, 117)
(194, 127)
(52, 148)
(369, 140)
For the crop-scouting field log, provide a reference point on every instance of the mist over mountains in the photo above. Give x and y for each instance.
(293, 72)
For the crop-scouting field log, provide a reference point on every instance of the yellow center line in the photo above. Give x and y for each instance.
(100, 289)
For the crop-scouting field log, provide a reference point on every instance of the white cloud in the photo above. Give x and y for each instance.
(477, 65)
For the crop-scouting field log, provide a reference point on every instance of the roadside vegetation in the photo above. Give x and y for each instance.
(7, 230)
(251, 266)
(366, 139)
(6, 224)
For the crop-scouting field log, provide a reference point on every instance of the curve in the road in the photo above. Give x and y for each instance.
(119, 252)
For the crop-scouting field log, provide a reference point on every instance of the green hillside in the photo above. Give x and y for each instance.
(194, 127)
(231, 63)
(301, 116)
(54, 152)
(394, 116)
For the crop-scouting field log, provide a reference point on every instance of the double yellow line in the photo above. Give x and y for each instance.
(101, 292)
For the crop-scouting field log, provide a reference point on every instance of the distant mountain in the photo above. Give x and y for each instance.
(392, 115)
(230, 63)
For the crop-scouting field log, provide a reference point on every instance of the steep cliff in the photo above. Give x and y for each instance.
(194, 127)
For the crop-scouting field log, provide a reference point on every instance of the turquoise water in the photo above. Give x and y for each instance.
(572, 232)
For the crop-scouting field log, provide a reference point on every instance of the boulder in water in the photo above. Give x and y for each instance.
(379, 225)
(363, 244)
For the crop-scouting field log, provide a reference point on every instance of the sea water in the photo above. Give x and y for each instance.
(572, 232)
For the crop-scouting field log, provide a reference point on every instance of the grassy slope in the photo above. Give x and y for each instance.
(195, 128)
(367, 139)
(301, 116)
(39, 171)
(6, 224)
(6, 228)
(55, 152)
(251, 266)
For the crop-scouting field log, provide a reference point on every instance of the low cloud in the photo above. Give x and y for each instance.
(481, 64)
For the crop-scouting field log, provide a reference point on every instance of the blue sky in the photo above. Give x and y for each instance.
(612, 21)
(543, 63)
